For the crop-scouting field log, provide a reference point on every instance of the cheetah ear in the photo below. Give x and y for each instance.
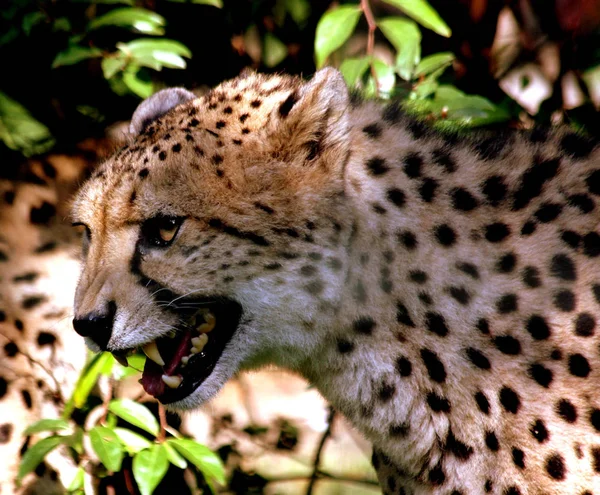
(317, 114)
(156, 106)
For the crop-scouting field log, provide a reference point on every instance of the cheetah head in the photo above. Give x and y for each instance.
(214, 240)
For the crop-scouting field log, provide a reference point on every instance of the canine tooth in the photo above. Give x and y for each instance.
(198, 343)
(172, 381)
(122, 360)
(151, 350)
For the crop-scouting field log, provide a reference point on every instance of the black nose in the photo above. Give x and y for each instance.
(97, 326)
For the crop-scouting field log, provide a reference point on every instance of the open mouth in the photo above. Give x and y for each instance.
(178, 363)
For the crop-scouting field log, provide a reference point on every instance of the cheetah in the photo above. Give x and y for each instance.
(440, 290)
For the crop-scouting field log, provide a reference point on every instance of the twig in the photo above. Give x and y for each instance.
(162, 416)
(317, 461)
(372, 25)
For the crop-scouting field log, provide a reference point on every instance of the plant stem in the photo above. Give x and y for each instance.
(372, 25)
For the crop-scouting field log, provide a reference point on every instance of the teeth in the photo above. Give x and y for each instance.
(122, 360)
(151, 350)
(172, 381)
(198, 343)
(185, 360)
(210, 322)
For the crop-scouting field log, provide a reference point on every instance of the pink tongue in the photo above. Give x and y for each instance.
(151, 377)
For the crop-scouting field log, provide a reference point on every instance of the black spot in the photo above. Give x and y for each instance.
(506, 263)
(372, 130)
(364, 325)
(425, 298)
(11, 349)
(437, 476)
(463, 200)
(31, 302)
(566, 411)
(563, 267)
(488, 486)
(397, 197)
(403, 316)
(25, 277)
(437, 403)
(511, 490)
(508, 303)
(482, 402)
(392, 113)
(548, 212)
(496, 232)
(417, 128)
(408, 239)
(377, 208)
(45, 338)
(478, 358)
(596, 292)
(308, 270)
(377, 166)
(287, 105)
(507, 345)
(538, 431)
(469, 269)
(359, 292)
(577, 145)
(345, 346)
(541, 374)
(509, 400)
(555, 467)
(273, 266)
(518, 457)
(596, 458)
(265, 208)
(564, 300)
(460, 294)
(435, 368)
(400, 430)
(27, 399)
(386, 391)
(3, 387)
(417, 276)
(572, 239)
(528, 228)
(142, 174)
(244, 117)
(412, 165)
(403, 366)
(436, 323)
(591, 244)
(556, 355)
(585, 324)
(579, 365)
(162, 156)
(314, 287)
(538, 327)
(491, 441)
(445, 235)
(444, 159)
(176, 148)
(491, 148)
(217, 159)
(43, 214)
(583, 202)
(532, 182)
(427, 189)
(494, 189)
(531, 277)
(255, 103)
(595, 419)
(483, 326)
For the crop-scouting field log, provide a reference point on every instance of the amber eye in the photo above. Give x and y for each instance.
(161, 230)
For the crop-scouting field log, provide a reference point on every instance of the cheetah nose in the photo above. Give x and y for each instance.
(97, 326)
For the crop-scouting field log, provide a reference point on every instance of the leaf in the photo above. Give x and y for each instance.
(200, 456)
(136, 365)
(77, 482)
(149, 468)
(134, 18)
(46, 425)
(133, 442)
(113, 65)
(134, 413)
(333, 29)
(423, 13)
(74, 54)
(174, 457)
(591, 78)
(466, 109)
(36, 453)
(155, 53)
(108, 447)
(136, 85)
(127, 2)
(20, 131)
(86, 382)
(353, 69)
(433, 63)
(386, 79)
(274, 51)
(405, 36)
(30, 20)
(214, 3)
(299, 10)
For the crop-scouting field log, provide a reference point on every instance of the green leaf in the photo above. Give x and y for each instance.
(62, 24)
(466, 109)
(591, 78)
(137, 19)
(386, 79)
(20, 131)
(30, 20)
(200, 456)
(46, 425)
(333, 29)
(274, 51)
(353, 69)
(36, 453)
(136, 365)
(134, 413)
(214, 3)
(298, 9)
(108, 447)
(405, 36)
(133, 442)
(126, 2)
(423, 13)
(135, 84)
(155, 53)
(113, 65)
(77, 482)
(149, 468)
(434, 63)
(174, 457)
(74, 54)
(86, 382)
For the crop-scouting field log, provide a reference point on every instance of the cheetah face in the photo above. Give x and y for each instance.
(202, 247)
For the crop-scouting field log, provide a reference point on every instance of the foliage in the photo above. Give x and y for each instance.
(100, 448)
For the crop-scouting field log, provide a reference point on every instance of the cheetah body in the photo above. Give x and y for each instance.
(441, 291)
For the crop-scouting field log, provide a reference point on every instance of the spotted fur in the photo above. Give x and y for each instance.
(442, 291)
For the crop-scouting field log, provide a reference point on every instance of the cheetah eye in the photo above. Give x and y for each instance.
(161, 230)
